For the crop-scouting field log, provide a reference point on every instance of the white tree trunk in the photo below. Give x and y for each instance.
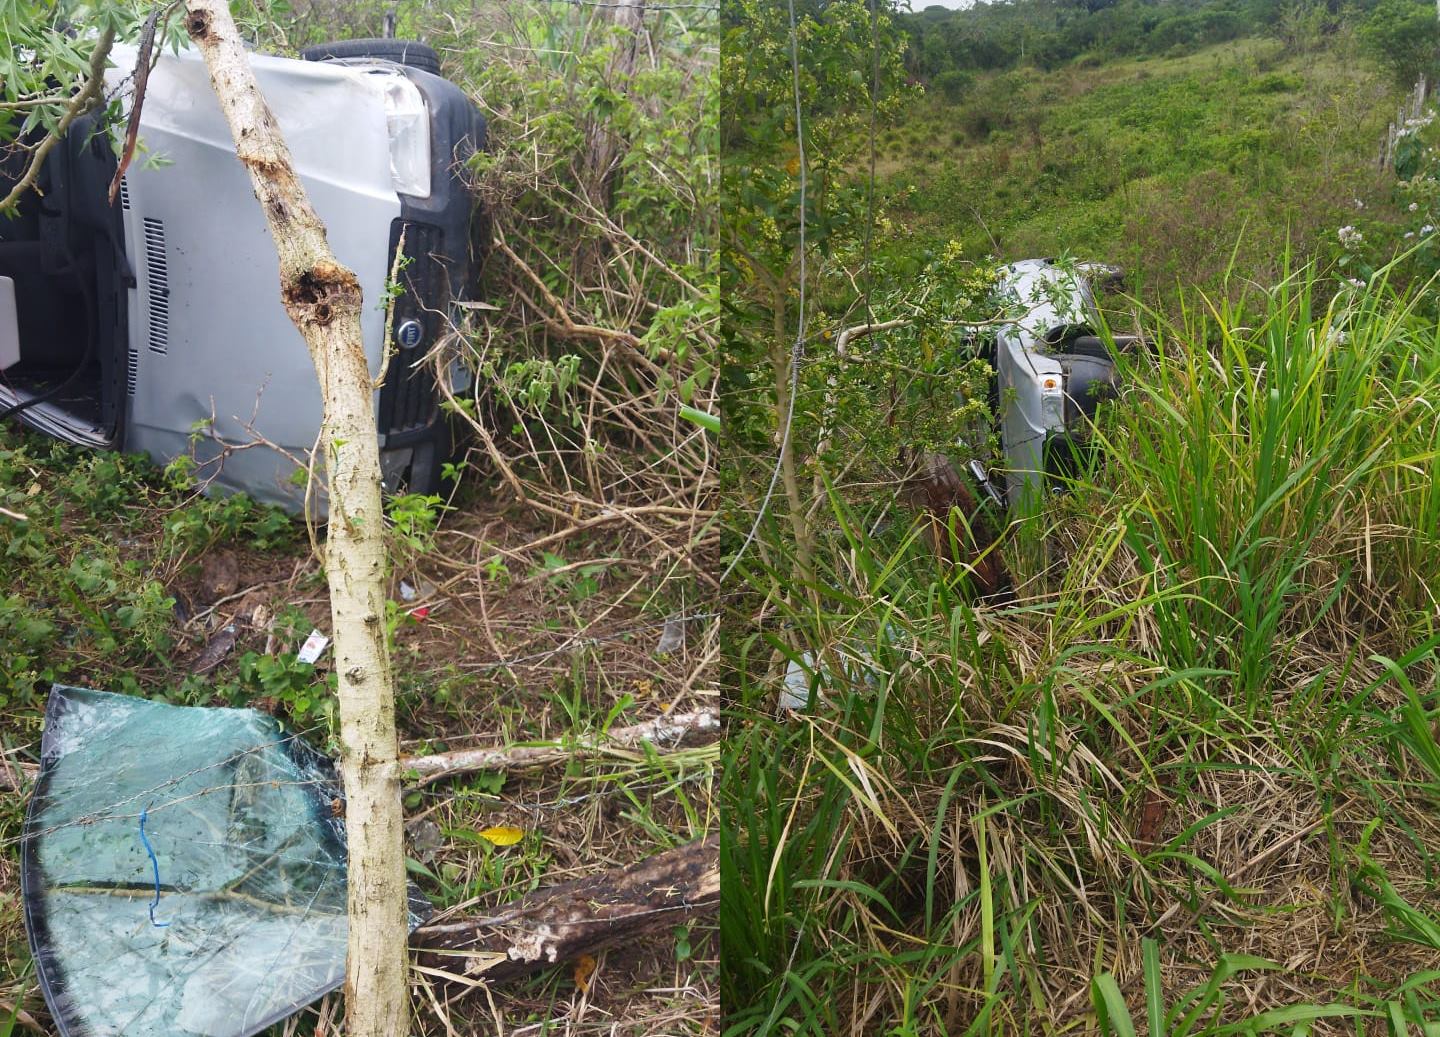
(323, 299)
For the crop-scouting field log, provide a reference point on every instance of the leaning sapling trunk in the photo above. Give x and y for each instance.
(322, 297)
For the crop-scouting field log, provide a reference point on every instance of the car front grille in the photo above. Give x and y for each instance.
(408, 400)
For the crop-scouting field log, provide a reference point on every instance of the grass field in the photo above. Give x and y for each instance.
(1189, 782)
(1196, 765)
(1171, 167)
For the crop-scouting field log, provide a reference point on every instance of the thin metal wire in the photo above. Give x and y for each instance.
(797, 351)
(586, 642)
(639, 6)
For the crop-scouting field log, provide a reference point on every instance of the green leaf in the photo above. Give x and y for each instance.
(1111, 1013)
(709, 422)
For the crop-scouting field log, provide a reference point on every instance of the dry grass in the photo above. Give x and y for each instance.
(999, 812)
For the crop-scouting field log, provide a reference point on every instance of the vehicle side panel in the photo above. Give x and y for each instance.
(209, 336)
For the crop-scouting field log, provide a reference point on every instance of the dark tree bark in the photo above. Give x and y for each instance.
(578, 917)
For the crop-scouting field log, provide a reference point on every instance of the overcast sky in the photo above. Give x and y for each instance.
(920, 5)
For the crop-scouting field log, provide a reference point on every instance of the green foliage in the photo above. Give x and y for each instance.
(1404, 37)
(1176, 170)
(762, 163)
(535, 385)
(71, 592)
(557, 105)
(88, 572)
(414, 518)
(1243, 461)
(1398, 241)
(292, 686)
(202, 522)
(929, 817)
(43, 62)
(860, 409)
(1201, 1010)
(923, 387)
(991, 37)
(953, 84)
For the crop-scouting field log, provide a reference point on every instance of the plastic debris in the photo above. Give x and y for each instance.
(672, 638)
(857, 666)
(313, 648)
(419, 590)
(183, 869)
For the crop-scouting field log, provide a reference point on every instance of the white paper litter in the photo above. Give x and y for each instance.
(313, 647)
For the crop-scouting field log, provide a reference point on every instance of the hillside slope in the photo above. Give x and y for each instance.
(1165, 165)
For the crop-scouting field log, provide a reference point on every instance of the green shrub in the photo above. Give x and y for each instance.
(1403, 36)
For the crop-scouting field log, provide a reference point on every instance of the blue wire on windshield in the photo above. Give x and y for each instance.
(155, 864)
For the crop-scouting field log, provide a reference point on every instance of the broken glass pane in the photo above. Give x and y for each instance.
(183, 869)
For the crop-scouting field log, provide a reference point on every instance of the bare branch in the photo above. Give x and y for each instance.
(81, 104)
(700, 726)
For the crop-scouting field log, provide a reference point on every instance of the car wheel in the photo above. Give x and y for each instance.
(403, 52)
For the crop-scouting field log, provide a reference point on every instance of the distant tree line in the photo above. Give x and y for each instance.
(946, 48)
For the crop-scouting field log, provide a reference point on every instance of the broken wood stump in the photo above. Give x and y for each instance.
(561, 923)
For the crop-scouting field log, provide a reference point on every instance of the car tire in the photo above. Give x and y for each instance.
(410, 53)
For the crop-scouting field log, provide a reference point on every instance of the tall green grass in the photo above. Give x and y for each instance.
(1013, 820)
(1274, 457)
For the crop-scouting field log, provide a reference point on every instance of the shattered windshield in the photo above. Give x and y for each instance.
(183, 869)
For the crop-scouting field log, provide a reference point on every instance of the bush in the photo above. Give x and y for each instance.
(954, 85)
(1404, 37)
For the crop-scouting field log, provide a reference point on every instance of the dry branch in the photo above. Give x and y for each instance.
(14, 776)
(700, 726)
(574, 918)
(558, 318)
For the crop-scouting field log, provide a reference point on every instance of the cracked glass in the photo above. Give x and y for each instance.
(183, 869)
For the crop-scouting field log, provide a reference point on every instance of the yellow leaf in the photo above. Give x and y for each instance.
(584, 969)
(503, 835)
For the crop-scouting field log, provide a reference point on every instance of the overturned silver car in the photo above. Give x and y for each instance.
(130, 326)
(1053, 367)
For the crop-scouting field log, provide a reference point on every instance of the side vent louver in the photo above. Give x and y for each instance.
(125, 193)
(158, 279)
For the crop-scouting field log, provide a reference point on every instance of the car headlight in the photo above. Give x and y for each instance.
(409, 125)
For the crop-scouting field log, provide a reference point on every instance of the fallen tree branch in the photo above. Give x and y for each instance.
(141, 76)
(574, 918)
(560, 321)
(843, 340)
(703, 725)
(696, 728)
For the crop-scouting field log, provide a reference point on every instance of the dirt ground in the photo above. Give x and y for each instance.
(508, 630)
